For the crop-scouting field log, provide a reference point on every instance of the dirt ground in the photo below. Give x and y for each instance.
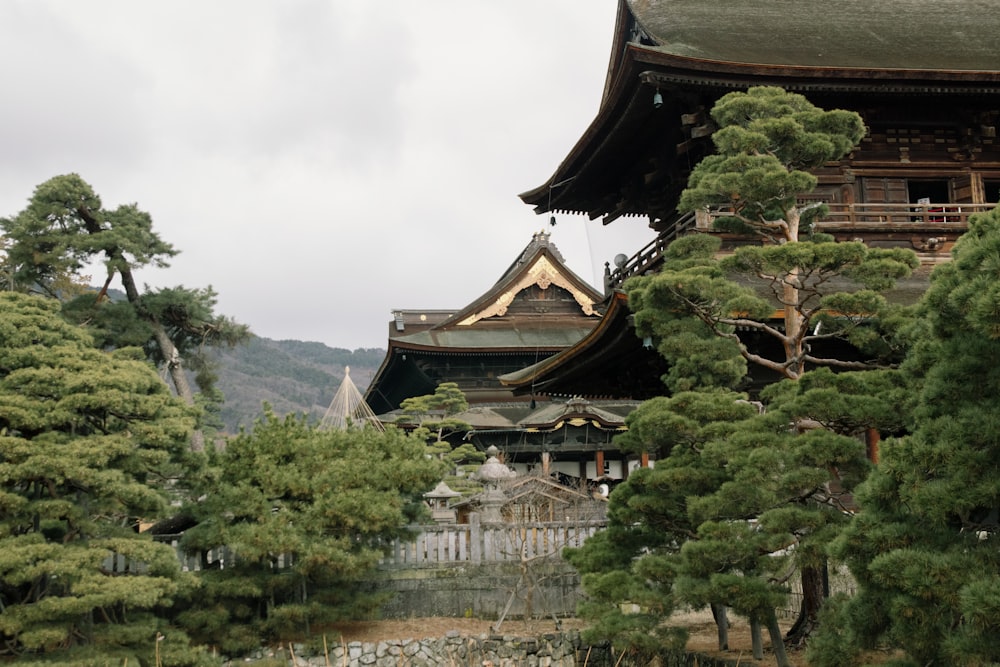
(701, 627)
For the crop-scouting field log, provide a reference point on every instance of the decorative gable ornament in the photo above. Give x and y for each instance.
(543, 274)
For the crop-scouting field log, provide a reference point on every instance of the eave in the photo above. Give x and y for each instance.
(617, 141)
(611, 362)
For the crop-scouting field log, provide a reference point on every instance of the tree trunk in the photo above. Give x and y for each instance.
(756, 641)
(167, 348)
(777, 643)
(790, 297)
(813, 594)
(169, 352)
(722, 625)
(793, 326)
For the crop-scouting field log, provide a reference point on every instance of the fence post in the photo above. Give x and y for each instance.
(475, 539)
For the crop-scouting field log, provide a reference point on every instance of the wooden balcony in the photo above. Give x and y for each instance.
(882, 217)
(861, 220)
(912, 217)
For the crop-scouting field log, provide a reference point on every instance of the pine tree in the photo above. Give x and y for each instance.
(434, 414)
(304, 514)
(712, 317)
(90, 444)
(434, 419)
(63, 228)
(785, 495)
(629, 569)
(766, 140)
(924, 545)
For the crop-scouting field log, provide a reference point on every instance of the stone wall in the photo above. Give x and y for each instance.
(453, 650)
(550, 650)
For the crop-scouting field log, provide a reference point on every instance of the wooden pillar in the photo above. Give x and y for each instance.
(644, 460)
(599, 463)
(872, 439)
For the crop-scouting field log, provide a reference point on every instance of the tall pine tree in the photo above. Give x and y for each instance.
(64, 228)
(90, 444)
(924, 547)
(752, 491)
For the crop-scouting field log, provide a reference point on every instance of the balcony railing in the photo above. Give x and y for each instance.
(867, 217)
(649, 255)
(878, 217)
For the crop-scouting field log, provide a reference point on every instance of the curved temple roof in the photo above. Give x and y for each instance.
(697, 50)
(892, 34)
(508, 324)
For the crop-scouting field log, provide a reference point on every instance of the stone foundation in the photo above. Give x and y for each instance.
(549, 650)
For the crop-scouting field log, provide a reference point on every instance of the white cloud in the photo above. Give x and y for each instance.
(319, 162)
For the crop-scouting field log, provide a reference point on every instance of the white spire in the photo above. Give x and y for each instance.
(348, 408)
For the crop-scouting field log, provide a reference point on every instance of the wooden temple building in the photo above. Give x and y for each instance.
(537, 309)
(923, 74)
(925, 78)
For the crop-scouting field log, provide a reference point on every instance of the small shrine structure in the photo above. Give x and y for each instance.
(439, 500)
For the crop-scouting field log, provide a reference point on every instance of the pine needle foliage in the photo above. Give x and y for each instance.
(304, 515)
(741, 498)
(924, 547)
(701, 306)
(90, 443)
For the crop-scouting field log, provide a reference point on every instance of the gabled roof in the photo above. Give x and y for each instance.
(539, 264)
(511, 320)
(578, 412)
(548, 416)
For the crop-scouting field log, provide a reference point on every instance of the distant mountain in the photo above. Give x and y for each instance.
(292, 376)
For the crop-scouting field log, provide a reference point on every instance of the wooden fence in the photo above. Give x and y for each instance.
(951, 217)
(214, 558)
(436, 545)
(475, 543)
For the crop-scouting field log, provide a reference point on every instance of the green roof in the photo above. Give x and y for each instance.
(498, 338)
(877, 34)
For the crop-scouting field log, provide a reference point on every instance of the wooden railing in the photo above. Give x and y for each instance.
(648, 257)
(214, 558)
(935, 217)
(875, 217)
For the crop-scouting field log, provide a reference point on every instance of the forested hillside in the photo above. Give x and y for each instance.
(292, 376)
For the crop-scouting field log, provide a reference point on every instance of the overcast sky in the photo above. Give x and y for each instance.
(318, 162)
